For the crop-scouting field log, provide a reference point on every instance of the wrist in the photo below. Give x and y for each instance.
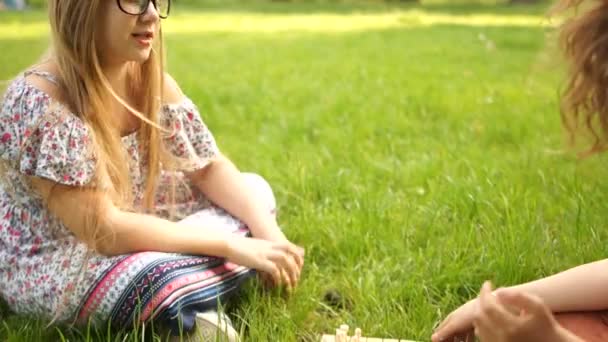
(224, 246)
(268, 231)
(276, 235)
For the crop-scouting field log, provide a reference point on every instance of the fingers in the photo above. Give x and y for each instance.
(298, 253)
(267, 280)
(492, 321)
(293, 270)
(445, 322)
(484, 331)
(289, 269)
(457, 322)
(442, 330)
(452, 336)
(286, 280)
(270, 282)
(484, 327)
(487, 314)
(490, 310)
(522, 300)
(295, 251)
(298, 256)
(447, 331)
(272, 270)
(463, 337)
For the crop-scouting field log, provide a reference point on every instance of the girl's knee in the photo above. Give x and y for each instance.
(261, 189)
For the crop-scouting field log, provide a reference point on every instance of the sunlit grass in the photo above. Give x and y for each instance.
(415, 153)
(236, 22)
(15, 30)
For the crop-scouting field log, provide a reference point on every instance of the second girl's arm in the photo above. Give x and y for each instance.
(582, 288)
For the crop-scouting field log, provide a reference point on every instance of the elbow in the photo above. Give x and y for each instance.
(109, 241)
(106, 249)
(201, 176)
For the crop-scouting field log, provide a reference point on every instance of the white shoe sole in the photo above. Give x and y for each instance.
(210, 327)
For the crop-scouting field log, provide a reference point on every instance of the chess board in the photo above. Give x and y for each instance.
(343, 335)
(332, 338)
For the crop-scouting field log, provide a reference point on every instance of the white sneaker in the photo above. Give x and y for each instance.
(211, 326)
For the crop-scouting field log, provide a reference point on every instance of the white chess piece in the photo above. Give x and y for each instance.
(338, 335)
(345, 328)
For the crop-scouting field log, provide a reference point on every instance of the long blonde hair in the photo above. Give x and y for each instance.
(584, 39)
(74, 26)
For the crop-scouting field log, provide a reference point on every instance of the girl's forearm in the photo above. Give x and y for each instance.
(119, 232)
(582, 288)
(132, 232)
(224, 185)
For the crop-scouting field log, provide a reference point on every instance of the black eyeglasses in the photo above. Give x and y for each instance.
(139, 7)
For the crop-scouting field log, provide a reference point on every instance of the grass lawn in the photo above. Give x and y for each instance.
(415, 153)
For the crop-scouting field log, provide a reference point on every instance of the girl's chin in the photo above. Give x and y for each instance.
(140, 57)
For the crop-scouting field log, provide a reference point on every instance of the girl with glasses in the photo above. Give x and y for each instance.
(116, 203)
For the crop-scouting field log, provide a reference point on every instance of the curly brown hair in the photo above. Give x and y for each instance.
(584, 39)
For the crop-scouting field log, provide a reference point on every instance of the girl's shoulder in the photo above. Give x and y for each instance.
(37, 131)
(32, 97)
(173, 96)
(32, 93)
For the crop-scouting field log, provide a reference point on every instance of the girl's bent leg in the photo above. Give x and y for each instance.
(262, 189)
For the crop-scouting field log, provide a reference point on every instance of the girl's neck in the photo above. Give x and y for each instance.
(120, 79)
(118, 76)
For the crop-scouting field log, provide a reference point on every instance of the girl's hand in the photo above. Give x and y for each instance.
(270, 282)
(275, 234)
(457, 326)
(281, 260)
(514, 316)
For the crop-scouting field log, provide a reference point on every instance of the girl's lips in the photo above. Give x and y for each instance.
(144, 38)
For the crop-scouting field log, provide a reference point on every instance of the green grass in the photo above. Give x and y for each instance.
(415, 153)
